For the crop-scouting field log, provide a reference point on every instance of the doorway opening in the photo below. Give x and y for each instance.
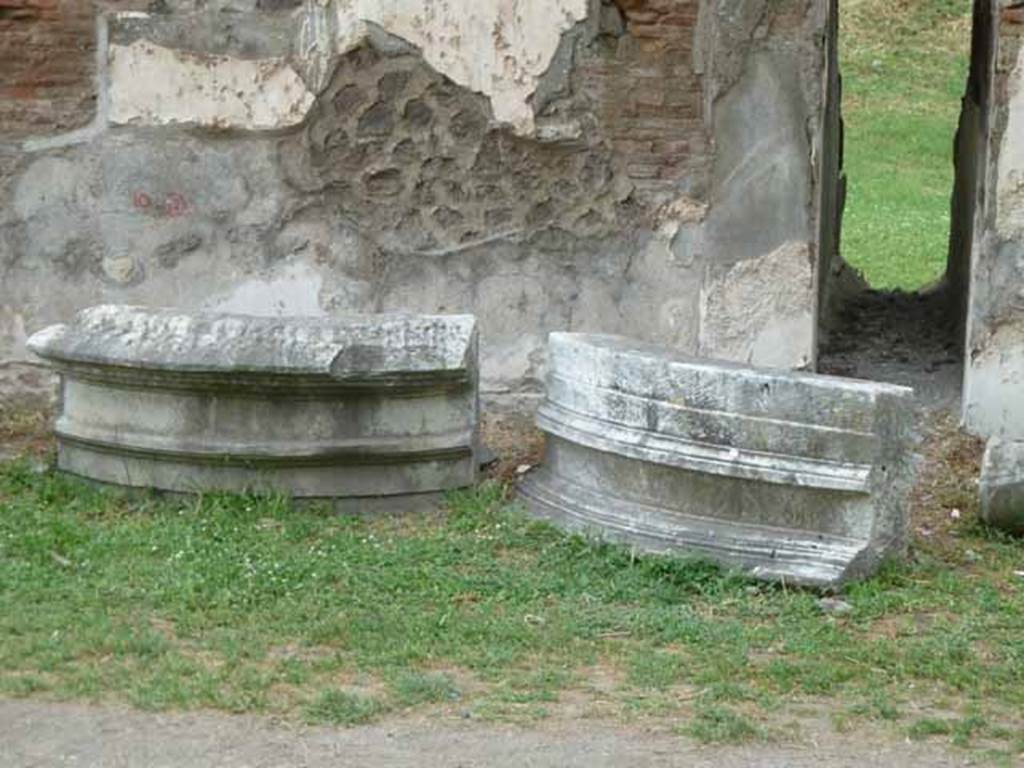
(895, 300)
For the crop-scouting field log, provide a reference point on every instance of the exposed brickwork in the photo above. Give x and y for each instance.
(650, 100)
(1013, 15)
(47, 66)
(403, 147)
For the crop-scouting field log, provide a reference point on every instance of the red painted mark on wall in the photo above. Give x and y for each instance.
(174, 205)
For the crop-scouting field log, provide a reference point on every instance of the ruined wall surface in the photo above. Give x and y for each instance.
(994, 370)
(642, 167)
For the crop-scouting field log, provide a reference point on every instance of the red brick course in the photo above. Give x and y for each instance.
(650, 99)
(47, 66)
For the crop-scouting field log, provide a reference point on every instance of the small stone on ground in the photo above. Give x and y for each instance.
(834, 606)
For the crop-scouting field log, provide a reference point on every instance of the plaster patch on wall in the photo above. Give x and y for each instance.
(294, 290)
(1010, 190)
(995, 372)
(154, 85)
(761, 311)
(679, 232)
(763, 174)
(500, 49)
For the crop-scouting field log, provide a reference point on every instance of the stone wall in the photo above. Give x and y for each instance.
(994, 368)
(643, 167)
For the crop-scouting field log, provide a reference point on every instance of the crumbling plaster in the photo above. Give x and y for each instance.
(498, 49)
(153, 85)
(598, 167)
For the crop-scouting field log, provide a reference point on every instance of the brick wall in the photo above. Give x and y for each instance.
(650, 98)
(47, 66)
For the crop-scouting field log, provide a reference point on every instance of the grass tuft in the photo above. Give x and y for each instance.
(659, 670)
(412, 689)
(246, 604)
(337, 707)
(716, 724)
(929, 726)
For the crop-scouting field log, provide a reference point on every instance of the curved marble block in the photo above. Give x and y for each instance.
(789, 475)
(355, 408)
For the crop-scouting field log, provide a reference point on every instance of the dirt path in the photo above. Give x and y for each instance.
(41, 734)
(908, 339)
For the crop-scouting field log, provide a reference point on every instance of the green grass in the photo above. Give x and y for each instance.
(717, 725)
(338, 707)
(247, 604)
(250, 605)
(904, 66)
(414, 688)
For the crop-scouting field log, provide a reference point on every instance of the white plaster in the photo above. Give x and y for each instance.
(994, 386)
(154, 85)
(993, 391)
(499, 48)
(50, 184)
(295, 290)
(1010, 189)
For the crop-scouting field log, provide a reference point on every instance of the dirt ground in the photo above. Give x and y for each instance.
(902, 338)
(36, 734)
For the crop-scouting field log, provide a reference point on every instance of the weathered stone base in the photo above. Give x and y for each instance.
(357, 506)
(663, 510)
(1002, 485)
(329, 477)
(791, 476)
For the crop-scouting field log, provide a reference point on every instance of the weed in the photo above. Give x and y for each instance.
(338, 707)
(716, 724)
(413, 688)
(929, 726)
